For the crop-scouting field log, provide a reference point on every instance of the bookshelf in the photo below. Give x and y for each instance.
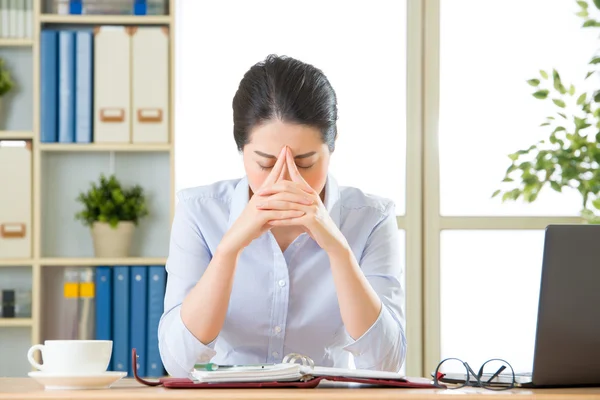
(15, 42)
(16, 322)
(90, 262)
(16, 135)
(106, 19)
(105, 147)
(54, 187)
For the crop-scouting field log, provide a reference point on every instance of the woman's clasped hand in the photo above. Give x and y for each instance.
(285, 199)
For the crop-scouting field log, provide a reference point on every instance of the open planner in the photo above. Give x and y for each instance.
(288, 370)
(294, 371)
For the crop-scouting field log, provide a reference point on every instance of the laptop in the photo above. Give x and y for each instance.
(567, 341)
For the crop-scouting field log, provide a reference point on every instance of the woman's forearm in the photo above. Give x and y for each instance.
(204, 309)
(359, 304)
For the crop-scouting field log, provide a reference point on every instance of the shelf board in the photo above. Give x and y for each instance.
(93, 261)
(106, 19)
(16, 42)
(124, 147)
(15, 322)
(5, 135)
(16, 262)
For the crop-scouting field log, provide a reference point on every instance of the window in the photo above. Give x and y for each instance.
(489, 295)
(486, 107)
(489, 278)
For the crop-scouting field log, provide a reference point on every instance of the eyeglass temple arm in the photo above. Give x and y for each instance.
(502, 368)
(477, 376)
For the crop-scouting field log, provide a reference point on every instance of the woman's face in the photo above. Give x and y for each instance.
(311, 155)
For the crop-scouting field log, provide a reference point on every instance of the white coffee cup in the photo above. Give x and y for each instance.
(75, 357)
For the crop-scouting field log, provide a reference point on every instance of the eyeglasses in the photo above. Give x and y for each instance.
(460, 374)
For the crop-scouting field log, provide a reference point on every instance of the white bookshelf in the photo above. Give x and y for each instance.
(106, 19)
(15, 322)
(15, 135)
(90, 262)
(16, 262)
(4, 42)
(50, 161)
(58, 147)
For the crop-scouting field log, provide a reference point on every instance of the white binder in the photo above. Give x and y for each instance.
(150, 84)
(15, 199)
(112, 97)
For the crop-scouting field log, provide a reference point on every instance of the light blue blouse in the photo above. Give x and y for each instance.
(283, 302)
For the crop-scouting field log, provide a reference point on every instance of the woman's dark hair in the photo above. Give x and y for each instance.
(284, 88)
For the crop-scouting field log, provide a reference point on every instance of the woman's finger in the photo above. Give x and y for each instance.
(301, 198)
(294, 173)
(283, 205)
(283, 171)
(273, 215)
(284, 186)
(288, 222)
(277, 168)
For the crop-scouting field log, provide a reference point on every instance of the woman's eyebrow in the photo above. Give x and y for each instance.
(305, 155)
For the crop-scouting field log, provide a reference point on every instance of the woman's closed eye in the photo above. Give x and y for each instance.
(266, 168)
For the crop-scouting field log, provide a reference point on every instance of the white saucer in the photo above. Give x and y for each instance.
(76, 382)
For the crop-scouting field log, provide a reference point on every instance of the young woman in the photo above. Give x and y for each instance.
(283, 260)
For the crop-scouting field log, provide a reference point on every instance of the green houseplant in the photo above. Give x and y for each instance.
(569, 158)
(6, 82)
(112, 212)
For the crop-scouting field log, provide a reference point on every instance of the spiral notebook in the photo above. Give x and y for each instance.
(296, 372)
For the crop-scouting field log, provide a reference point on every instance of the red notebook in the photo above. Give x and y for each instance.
(311, 382)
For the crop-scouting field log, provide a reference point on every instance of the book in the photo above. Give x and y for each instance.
(121, 322)
(66, 86)
(83, 86)
(157, 276)
(138, 308)
(49, 86)
(104, 305)
(4, 19)
(86, 304)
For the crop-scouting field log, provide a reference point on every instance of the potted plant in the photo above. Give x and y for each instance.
(112, 212)
(6, 82)
(569, 159)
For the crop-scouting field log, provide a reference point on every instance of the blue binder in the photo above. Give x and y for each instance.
(157, 276)
(104, 305)
(48, 86)
(83, 86)
(66, 86)
(140, 7)
(75, 7)
(138, 318)
(121, 349)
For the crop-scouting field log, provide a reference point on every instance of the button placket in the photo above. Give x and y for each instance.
(280, 304)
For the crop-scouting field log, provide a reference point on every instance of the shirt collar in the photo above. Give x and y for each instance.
(241, 194)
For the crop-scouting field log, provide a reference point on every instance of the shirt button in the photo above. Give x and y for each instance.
(277, 329)
(298, 244)
(282, 283)
(275, 354)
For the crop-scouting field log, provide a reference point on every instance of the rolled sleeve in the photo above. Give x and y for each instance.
(179, 348)
(383, 345)
(188, 258)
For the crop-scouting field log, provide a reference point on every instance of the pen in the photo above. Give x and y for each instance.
(214, 366)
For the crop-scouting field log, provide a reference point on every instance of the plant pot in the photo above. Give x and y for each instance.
(112, 242)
